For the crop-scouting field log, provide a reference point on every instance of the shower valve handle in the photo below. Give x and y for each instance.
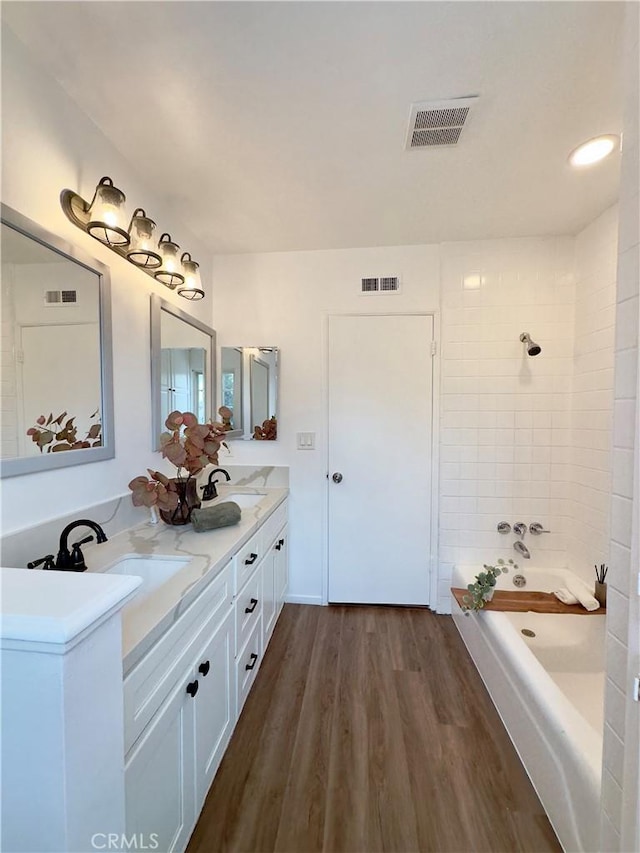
(519, 528)
(536, 528)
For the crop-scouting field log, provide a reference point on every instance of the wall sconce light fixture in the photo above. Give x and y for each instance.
(104, 219)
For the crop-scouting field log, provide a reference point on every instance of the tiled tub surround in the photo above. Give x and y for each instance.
(548, 691)
(505, 417)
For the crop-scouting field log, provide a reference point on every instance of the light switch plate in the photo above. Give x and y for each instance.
(306, 440)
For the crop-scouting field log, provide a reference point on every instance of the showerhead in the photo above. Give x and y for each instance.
(532, 347)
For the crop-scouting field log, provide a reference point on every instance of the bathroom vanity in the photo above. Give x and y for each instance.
(188, 649)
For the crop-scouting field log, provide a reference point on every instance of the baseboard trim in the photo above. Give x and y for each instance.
(304, 599)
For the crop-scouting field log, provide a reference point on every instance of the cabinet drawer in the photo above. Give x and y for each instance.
(247, 560)
(272, 525)
(247, 665)
(151, 681)
(248, 608)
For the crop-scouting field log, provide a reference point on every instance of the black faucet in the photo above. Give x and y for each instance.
(75, 561)
(209, 491)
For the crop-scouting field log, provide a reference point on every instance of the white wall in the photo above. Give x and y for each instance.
(587, 528)
(505, 415)
(620, 783)
(49, 144)
(283, 299)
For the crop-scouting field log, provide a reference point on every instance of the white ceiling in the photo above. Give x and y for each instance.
(281, 125)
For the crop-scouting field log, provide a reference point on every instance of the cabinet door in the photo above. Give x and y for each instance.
(282, 567)
(269, 611)
(159, 789)
(214, 705)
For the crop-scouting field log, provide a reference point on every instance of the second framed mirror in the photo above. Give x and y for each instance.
(183, 352)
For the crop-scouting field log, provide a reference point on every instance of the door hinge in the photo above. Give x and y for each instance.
(434, 347)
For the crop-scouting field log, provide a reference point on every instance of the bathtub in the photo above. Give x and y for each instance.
(549, 692)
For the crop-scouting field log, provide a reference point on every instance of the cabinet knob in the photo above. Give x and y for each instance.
(204, 668)
(192, 688)
(253, 659)
(279, 544)
(254, 602)
(251, 559)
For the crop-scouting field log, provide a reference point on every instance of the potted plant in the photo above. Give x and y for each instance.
(482, 589)
(190, 446)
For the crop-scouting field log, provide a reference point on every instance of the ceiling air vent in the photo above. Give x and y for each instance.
(382, 284)
(60, 297)
(436, 123)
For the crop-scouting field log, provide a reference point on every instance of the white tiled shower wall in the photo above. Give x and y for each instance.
(505, 417)
(587, 525)
(620, 775)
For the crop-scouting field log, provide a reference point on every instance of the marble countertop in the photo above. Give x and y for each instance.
(147, 617)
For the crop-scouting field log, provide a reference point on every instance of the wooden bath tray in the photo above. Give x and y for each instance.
(523, 602)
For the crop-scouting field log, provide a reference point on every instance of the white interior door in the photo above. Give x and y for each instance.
(380, 407)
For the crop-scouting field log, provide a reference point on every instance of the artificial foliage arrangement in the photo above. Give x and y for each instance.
(482, 589)
(65, 435)
(190, 446)
(154, 491)
(268, 431)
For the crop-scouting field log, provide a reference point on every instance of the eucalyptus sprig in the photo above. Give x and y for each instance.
(481, 590)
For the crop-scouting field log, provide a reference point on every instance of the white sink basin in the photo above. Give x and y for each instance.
(243, 500)
(154, 571)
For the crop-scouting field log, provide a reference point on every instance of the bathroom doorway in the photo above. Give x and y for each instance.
(380, 401)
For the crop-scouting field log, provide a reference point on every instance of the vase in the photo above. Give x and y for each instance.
(600, 593)
(187, 501)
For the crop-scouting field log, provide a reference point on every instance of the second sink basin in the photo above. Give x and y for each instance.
(154, 571)
(243, 500)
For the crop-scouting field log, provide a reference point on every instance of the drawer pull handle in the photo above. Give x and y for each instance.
(254, 604)
(251, 560)
(192, 688)
(254, 658)
(204, 668)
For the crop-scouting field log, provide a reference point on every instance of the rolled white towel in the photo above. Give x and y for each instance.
(581, 591)
(563, 595)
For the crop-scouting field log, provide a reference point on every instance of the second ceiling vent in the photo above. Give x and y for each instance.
(437, 123)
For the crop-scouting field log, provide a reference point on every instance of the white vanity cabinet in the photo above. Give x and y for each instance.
(171, 766)
(183, 698)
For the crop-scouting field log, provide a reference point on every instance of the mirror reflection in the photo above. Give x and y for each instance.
(249, 391)
(182, 365)
(52, 356)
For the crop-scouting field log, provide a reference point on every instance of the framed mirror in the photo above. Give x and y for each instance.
(57, 371)
(249, 386)
(183, 353)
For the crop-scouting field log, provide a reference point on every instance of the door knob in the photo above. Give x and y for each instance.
(337, 477)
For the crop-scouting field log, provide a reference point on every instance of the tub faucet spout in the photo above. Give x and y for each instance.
(522, 549)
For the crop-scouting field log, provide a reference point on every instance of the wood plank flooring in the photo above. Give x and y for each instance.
(368, 729)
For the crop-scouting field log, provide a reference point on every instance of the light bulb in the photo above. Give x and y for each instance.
(106, 215)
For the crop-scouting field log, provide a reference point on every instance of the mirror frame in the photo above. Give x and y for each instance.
(53, 461)
(158, 305)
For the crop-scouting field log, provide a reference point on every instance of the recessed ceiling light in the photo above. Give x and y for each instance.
(593, 150)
